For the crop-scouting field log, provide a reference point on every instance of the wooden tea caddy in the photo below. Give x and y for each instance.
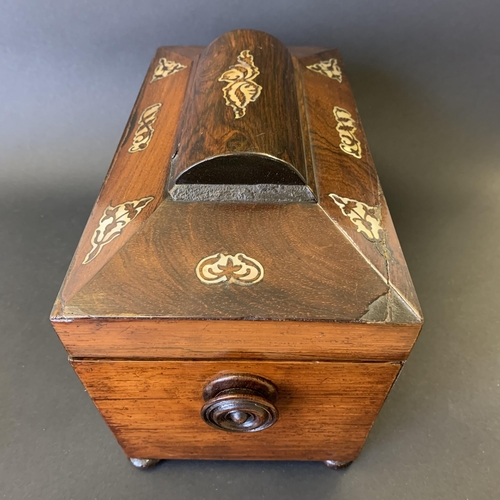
(239, 291)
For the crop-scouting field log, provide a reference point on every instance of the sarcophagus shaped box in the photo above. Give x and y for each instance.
(239, 291)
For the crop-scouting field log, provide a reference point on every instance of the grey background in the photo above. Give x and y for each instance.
(427, 78)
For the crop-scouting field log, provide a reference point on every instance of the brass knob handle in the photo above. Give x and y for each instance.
(240, 403)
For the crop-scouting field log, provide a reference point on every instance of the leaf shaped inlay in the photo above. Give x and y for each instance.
(112, 223)
(166, 68)
(145, 130)
(346, 127)
(241, 89)
(364, 217)
(329, 68)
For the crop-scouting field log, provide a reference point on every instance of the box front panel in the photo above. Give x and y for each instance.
(326, 409)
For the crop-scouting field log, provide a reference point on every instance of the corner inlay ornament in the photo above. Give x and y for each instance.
(241, 89)
(366, 218)
(145, 130)
(346, 127)
(329, 68)
(166, 68)
(238, 269)
(112, 222)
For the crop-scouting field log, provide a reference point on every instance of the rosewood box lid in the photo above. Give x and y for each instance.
(242, 216)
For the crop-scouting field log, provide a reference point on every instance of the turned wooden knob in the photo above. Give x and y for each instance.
(240, 403)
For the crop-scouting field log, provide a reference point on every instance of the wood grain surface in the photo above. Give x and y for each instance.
(238, 339)
(349, 177)
(326, 409)
(133, 176)
(259, 142)
(163, 296)
(311, 270)
(319, 267)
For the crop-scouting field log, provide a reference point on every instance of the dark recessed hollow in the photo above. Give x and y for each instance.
(243, 168)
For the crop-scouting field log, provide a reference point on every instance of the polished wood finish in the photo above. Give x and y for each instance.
(335, 251)
(240, 402)
(153, 407)
(138, 175)
(311, 293)
(302, 281)
(239, 134)
(238, 339)
(350, 177)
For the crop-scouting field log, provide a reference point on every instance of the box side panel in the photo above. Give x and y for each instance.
(153, 408)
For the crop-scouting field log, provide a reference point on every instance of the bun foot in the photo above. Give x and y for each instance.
(144, 463)
(334, 464)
